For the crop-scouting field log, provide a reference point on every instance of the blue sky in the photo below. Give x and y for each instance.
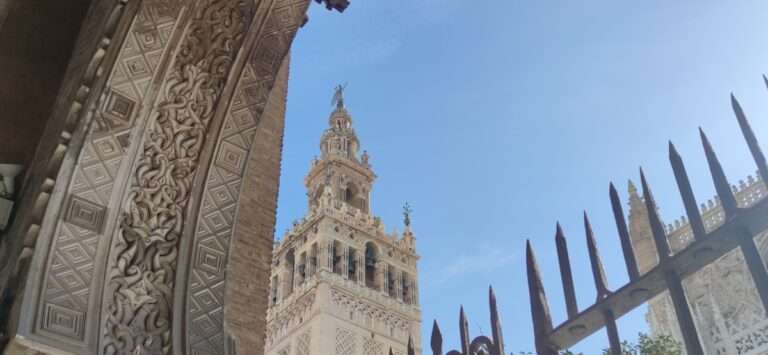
(495, 119)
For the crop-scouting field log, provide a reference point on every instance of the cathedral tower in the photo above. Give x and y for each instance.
(340, 284)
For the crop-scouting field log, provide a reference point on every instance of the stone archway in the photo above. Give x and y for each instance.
(150, 228)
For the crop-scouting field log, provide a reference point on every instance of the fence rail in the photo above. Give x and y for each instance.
(739, 230)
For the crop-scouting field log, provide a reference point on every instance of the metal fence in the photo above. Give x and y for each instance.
(740, 228)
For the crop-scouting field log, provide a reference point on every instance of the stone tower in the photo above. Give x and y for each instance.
(340, 285)
(722, 296)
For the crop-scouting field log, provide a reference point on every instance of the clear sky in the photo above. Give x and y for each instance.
(495, 119)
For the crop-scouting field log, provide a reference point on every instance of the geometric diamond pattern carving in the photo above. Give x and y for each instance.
(303, 343)
(372, 347)
(63, 321)
(85, 214)
(67, 289)
(345, 342)
(222, 186)
(231, 157)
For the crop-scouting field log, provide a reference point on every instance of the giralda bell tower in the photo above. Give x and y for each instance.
(340, 284)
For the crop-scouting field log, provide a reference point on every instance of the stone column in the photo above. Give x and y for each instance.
(361, 268)
(345, 262)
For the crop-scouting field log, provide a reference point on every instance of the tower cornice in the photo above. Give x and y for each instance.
(319, 166)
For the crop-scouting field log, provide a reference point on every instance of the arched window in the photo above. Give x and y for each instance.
(353, 196)
(371, 258)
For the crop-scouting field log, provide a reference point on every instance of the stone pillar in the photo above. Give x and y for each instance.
(345, 262)
(361, 268)
(398, 285)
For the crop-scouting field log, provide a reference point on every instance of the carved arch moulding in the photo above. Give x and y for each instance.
(132, 250)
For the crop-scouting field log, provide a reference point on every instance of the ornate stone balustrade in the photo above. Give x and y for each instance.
(747, 193)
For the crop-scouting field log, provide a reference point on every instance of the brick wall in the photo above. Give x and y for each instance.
(251, 248)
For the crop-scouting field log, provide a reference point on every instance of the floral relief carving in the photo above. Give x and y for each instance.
(139, 294)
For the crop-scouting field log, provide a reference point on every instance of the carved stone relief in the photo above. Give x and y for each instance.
(345, 342)
(68, 288)
(143, 257)
(204, 303)
(304, 343)
(373, 347)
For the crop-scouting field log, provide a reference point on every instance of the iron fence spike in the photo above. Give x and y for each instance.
(657, 228)
(621, 226)
(566, 275)
(464, 331)
(411, 350)
(594, 259)
(749, 136)
(542, 320)
(686, 192)
(723, 188)
(496, 333)
(437, 339)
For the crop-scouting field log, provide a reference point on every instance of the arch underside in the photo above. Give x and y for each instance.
(120, 271)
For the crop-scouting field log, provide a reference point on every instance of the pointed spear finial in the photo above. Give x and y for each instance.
(765, 80)
(498, 338)
(621, 226)
(464, 331)
(411, 350)
(437, 340)
(565, 272)
(686, 193)
(542, 320)
(723, 188)
(657, 228)
(390, 351)
(749, 136)
(631, 187)
(598, 273)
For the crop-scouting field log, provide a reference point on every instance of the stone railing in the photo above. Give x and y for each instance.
(344, 213)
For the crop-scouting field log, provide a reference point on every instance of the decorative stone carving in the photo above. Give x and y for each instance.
(304, 343)
(345, 342)
(85, 214)
(69, 286)
(373, 347)
(139, 293)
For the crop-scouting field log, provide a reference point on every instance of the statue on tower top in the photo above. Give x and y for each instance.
(338, 96)
(407, 210)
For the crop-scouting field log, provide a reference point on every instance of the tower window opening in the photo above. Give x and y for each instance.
(337, 257)
(352, 264)
(407, 288)
(312, 259)
(371, 256)
(302, 268)
(290, 265)
(391, 282)
(273, 292)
